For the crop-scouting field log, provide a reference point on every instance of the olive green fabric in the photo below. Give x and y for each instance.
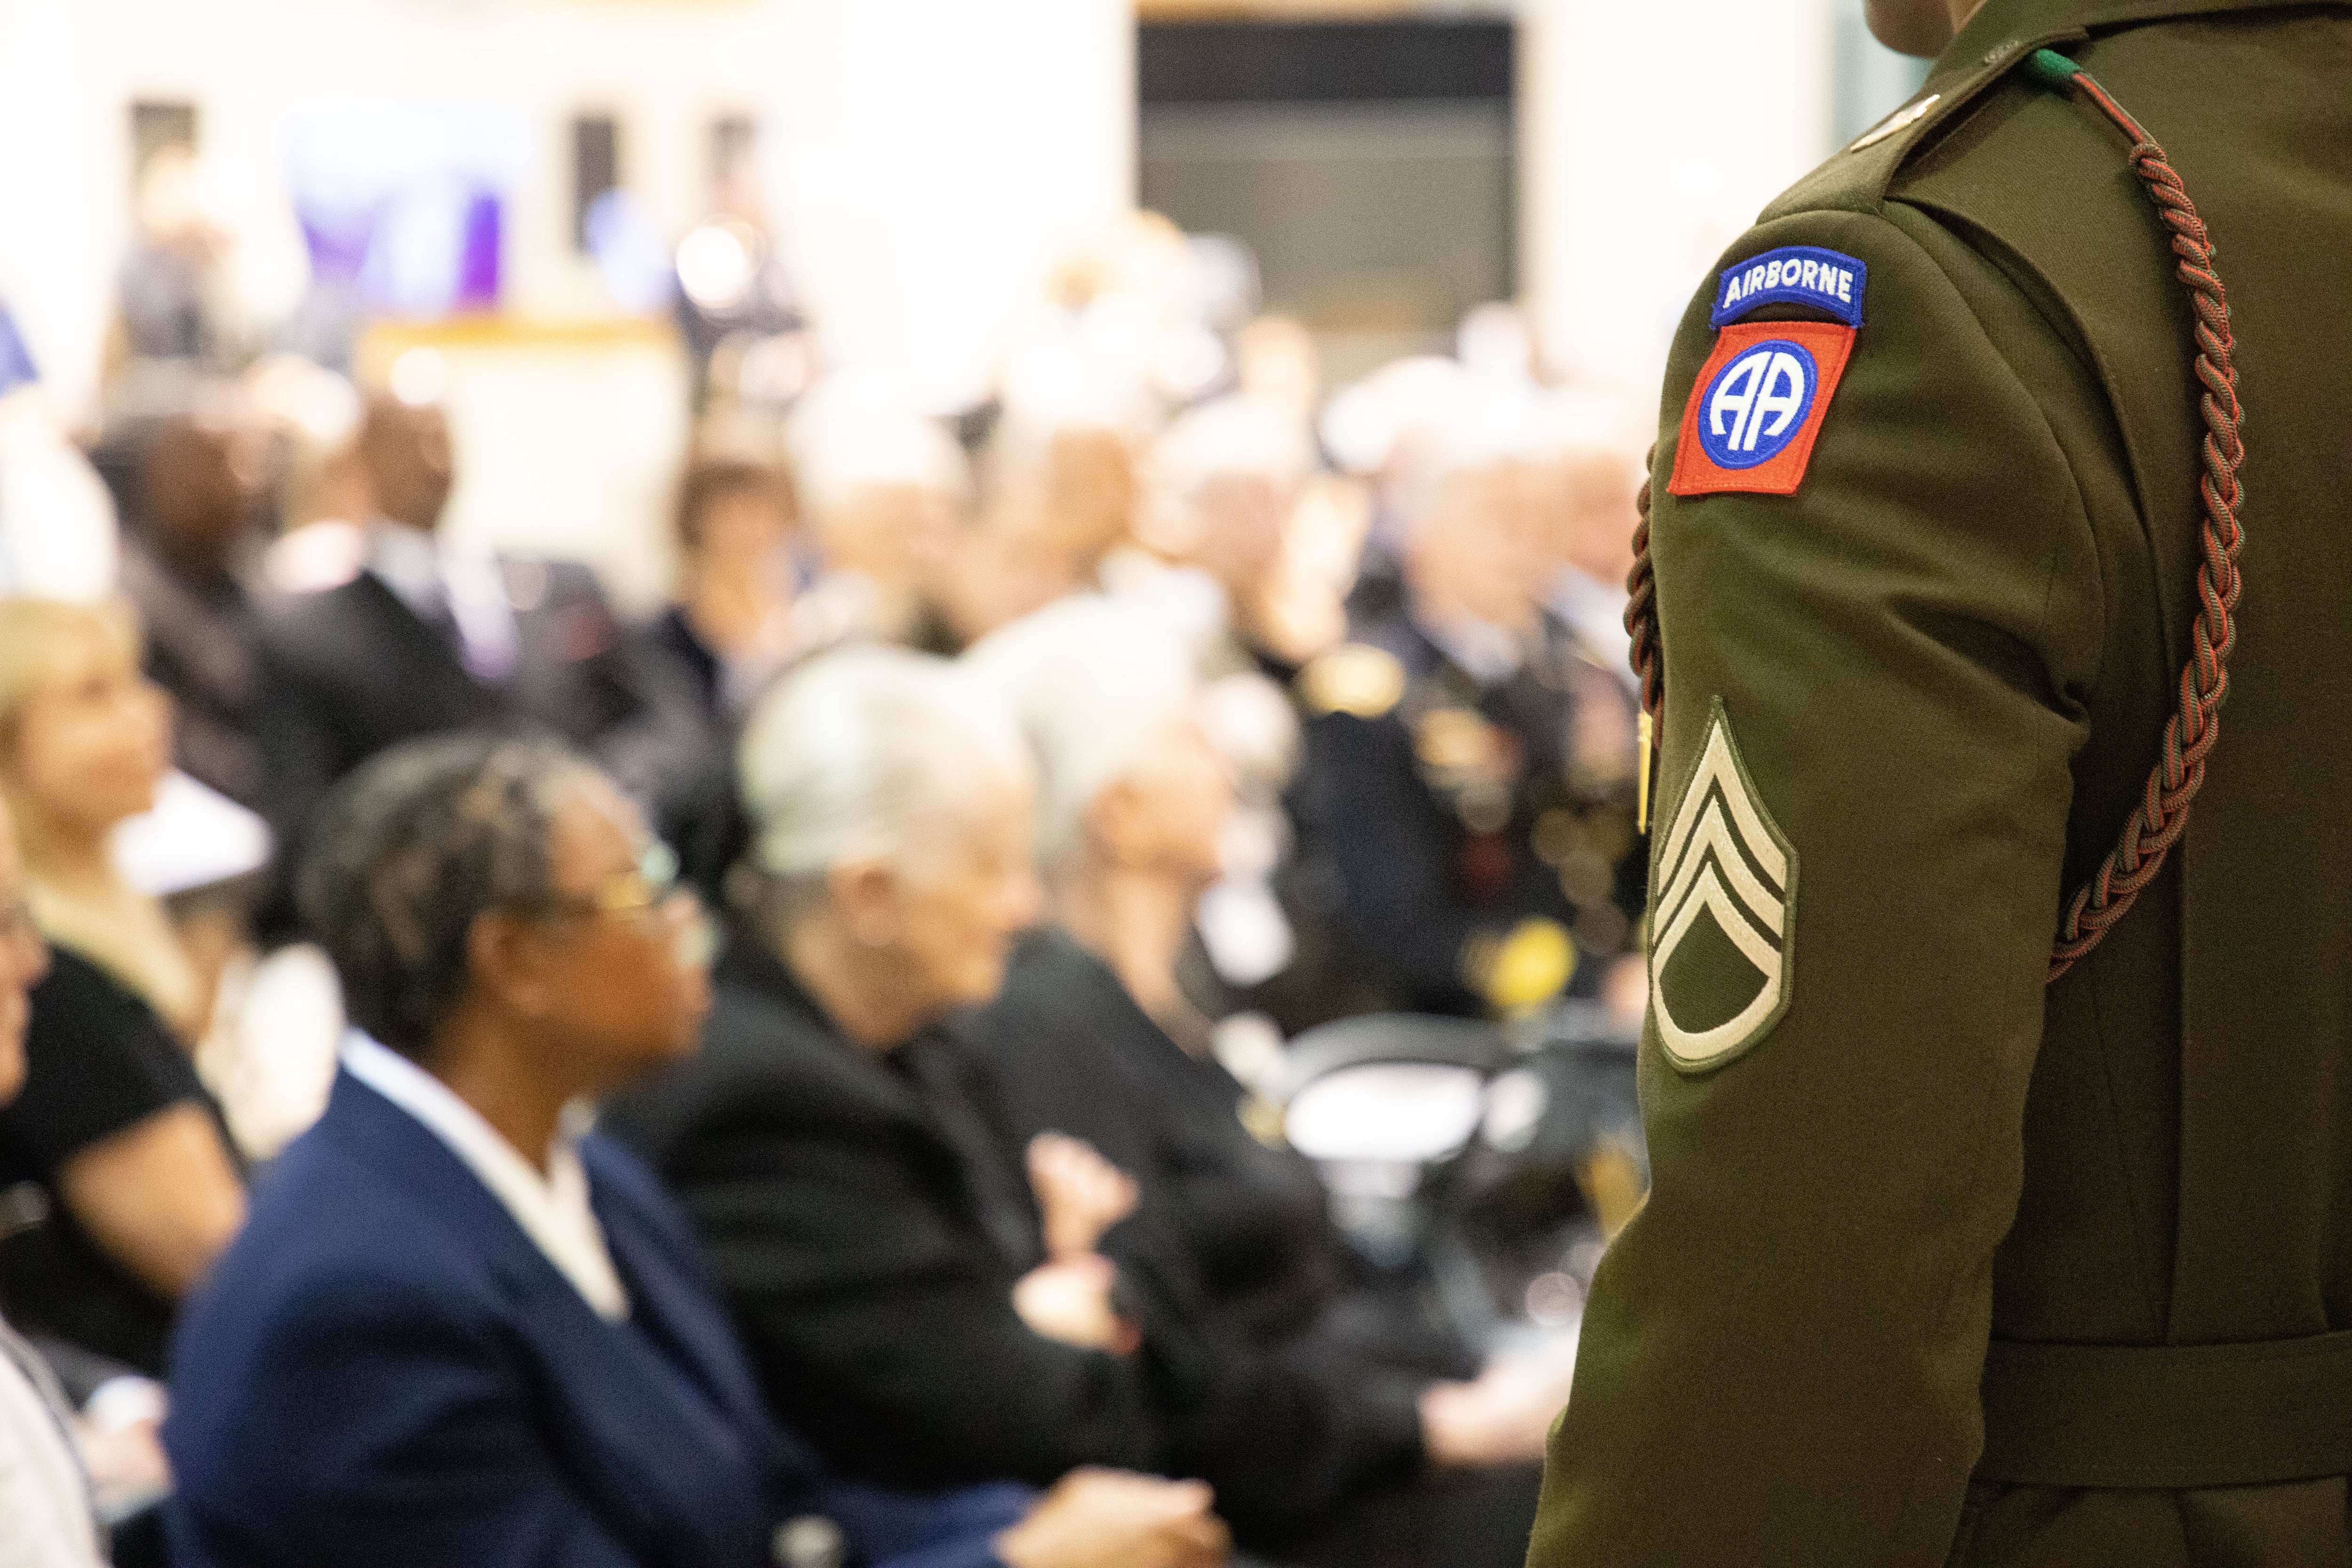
(1948, 660)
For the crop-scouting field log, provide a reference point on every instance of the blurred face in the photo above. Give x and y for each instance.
(1480, 551)
(899, 535)
(93, 738)
(950, 919)
(1168, 815)
(410, 465)
(24, 958)
(742, 531)
(617, 958)
(1242, 518)
(198, 487)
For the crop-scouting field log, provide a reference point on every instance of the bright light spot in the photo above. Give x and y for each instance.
(420, 376)
(714, 266)
(1555, 1300)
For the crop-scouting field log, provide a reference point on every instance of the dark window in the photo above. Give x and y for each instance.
(1369, 166)
(155, 126)
(595, 167)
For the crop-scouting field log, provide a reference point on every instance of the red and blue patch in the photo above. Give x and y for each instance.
(1758, 402)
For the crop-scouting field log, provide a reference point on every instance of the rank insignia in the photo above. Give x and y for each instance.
(1723, 907)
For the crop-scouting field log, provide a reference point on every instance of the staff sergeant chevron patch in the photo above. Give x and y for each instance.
(1724, 906)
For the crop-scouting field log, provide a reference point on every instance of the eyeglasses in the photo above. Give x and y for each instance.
(648, 891)
(646, 887)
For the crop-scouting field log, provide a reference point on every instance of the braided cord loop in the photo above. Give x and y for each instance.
(2161, 816)
(1642, 609)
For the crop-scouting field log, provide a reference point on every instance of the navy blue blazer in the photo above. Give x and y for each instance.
(385, 1372)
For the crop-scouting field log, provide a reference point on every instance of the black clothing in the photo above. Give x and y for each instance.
(350, 670)
(202, 646)
(97, 1063)
(670, 637)
(1436, 819)
(869, 1230)
(847, 1232)
(1068, 1050)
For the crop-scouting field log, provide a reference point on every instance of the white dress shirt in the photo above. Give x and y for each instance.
(436, 578)
(553, 1210)
(45, 1512)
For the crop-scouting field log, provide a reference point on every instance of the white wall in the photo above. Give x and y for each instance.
(930, 158)
(1652, 135)
(927, 161)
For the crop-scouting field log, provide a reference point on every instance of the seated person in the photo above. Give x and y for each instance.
(1467, 793)
(43, 1495)
(461, 1329)
(1093, 1038)
(731, 627)
(140, 1180)
(429, 635)
(909, 1305)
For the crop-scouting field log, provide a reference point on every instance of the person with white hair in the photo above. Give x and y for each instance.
(890, 1280)
(884, 494)
(1094, 1037)
(1467, 791)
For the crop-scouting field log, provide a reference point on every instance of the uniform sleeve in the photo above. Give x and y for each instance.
(1873, 696)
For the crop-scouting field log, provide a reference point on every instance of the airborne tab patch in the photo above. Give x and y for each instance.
(1724, 906)
(1793, 275)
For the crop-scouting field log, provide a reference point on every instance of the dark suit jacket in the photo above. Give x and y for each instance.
(873, 1293)
(869, 1225)
(350, 670)
(386, 1370)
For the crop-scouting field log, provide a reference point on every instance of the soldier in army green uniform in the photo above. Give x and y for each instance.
(1945, 1258)
(1466, 795)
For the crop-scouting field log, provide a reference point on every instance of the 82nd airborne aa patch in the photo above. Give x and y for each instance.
(1723, 908)
(1758, 402)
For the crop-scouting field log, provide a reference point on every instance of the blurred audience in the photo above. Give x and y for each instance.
(113, 1127)
(461, 1328)
(184, 560)
(429, 635)
(920, 1305)
(1094, 1037)
(1467, 789)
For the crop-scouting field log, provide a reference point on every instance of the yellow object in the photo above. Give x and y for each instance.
(1611, 1180)
(1532, 966)
(1648, 728)
(1354, 678)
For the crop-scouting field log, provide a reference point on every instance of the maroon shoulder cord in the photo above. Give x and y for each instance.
(2162, 814)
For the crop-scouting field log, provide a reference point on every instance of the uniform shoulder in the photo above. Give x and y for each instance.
(1977, 73)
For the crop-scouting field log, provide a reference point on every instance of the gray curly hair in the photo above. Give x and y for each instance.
(409, 851)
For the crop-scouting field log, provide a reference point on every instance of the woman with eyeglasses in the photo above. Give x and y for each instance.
(460, 1328)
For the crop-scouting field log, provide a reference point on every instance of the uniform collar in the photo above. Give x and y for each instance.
(2003, 31)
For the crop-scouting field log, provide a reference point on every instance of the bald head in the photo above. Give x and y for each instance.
(404, 452)
(1921, 27)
